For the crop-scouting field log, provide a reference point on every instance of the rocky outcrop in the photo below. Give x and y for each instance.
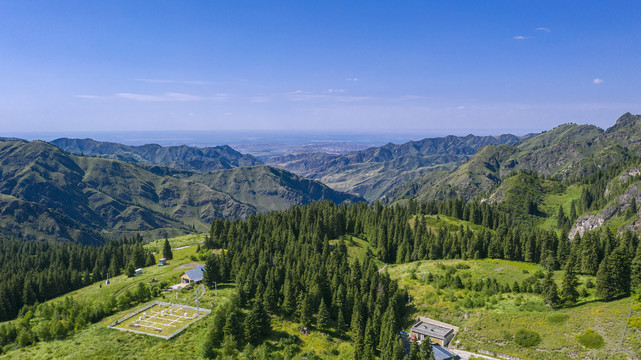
(618, 206)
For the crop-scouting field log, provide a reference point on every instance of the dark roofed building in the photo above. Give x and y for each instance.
(441, 353)
(435, 331)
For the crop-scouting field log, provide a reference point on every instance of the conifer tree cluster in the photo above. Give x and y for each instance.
(33, 272)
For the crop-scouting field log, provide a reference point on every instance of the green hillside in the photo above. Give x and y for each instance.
(50, 194)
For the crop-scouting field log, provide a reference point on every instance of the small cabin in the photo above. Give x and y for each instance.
(435, 332)
(162, 262)
(138, 272)
(193, 276)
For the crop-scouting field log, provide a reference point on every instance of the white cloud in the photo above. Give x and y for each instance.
(87, 96)
(159, 98)
(597, 81)
(335, 91)
(352, 79)
(461, 108)
(521, 37)
(543, 29)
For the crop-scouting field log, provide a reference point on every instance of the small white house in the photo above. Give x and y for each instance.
(138, 272)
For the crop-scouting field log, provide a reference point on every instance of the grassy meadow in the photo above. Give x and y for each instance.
(494, 320)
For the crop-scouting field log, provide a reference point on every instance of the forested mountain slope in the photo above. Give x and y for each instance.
(567, 151)
(48, 193)
(182, 157)
(373, 172)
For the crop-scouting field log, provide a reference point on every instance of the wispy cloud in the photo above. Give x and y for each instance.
(544, 29)
(521, 37)
(171, 96)
(335, 91)
(81, 96)
(352, 79)
(162, 81)
(597, 81)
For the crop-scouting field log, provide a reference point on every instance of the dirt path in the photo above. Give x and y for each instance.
(383, 268)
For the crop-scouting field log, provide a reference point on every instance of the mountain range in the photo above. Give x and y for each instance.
(47, 193)
(374, 172)
(108, 189)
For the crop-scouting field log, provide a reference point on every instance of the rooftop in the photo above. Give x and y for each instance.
(195, 274)
(431, 330)
(441, 353)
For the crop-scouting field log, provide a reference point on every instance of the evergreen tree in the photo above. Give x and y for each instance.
(322, 317)
(613, 277)
(229, 347)
(632, 209)
(130, 271)
(635, 269)
(166, 251)
(569, 292)
(560, 218)
(340, 323)
(212, 273)
(256, 323)
(426, 350)
(415, 351)
(151, 260)
(550, 290)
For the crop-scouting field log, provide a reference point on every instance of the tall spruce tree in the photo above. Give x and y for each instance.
(166, 251)
(322, 317)
(569, 292)
(550, 290)
(613, 277)
(426, 350)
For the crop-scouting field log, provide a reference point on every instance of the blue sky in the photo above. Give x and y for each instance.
(431, 67)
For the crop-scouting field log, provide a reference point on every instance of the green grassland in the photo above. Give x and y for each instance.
(357, 248)
(551, 202)
(436, 222)
(492, 324)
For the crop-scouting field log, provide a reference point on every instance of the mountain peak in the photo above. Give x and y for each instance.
(625, 121)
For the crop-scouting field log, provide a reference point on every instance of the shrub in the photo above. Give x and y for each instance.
(590, 339)
(557, 318)
(589, 284)
(634, 321)
(527, 338)
(462, 266)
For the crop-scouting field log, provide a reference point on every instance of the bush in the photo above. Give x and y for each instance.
(462, 266)
(589, 284)
(527, 338)
(557, 318)
(590, 339)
